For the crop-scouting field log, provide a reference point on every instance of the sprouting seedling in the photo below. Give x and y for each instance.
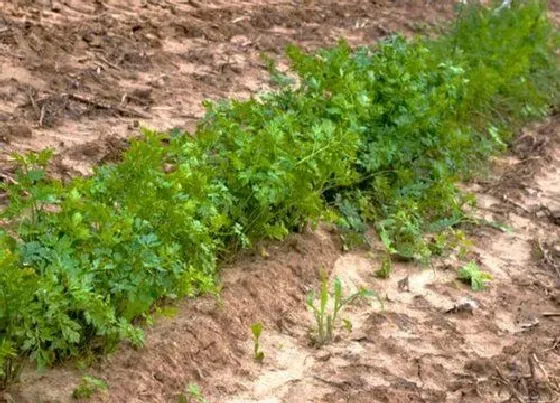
(194, 392)
(256, 329)
(326, 321)
(88, 386)
(471, 274)
(386, 268)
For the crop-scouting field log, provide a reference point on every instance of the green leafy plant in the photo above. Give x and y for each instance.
(11, 365)
(88, 386)
(195, 394)
(374, 135)
(472, 275)
(450, 240)
(256, 330)
(386, 267)
(325, 318)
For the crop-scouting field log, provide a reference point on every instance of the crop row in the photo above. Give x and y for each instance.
(376, 135)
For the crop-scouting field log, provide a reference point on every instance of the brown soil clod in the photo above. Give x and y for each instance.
(549, 255)
(403, 285)
(463, 307)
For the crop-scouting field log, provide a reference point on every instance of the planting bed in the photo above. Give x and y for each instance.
(81, 76)
(411, 350)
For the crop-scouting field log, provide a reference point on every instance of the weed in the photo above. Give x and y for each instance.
(472, 275)
(12, 364)
(256, 329)
(450, 240)
(195, 394)
(386, 267)
(277, 78)
(351, 240)
(88, 386)
(325, 320)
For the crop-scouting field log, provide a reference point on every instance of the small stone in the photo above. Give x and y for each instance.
(236, 68)
(324, 356)
(403, 285)
(464, 306)
(159, 376)
(142, 93)
(530, 324)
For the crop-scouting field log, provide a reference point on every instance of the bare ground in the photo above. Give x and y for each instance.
(80, 76)
(65, 72)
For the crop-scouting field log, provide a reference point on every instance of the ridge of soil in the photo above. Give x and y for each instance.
(418, 345)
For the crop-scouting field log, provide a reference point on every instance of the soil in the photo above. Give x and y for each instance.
(77, 74)
(80, 76)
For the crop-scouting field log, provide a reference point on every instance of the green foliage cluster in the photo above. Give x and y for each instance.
(325, 318)
(256, 330)
(88, 386)
(373, 135)
(472, 275)
(193, 394)
(386, 268)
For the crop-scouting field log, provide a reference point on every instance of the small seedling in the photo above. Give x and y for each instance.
(256, 329)
(386, 268)
(194, 392)
(326, 321)
(471, 274)
(346, 324)
(88, 386)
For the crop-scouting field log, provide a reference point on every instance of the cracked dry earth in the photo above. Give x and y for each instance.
(78, 76)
